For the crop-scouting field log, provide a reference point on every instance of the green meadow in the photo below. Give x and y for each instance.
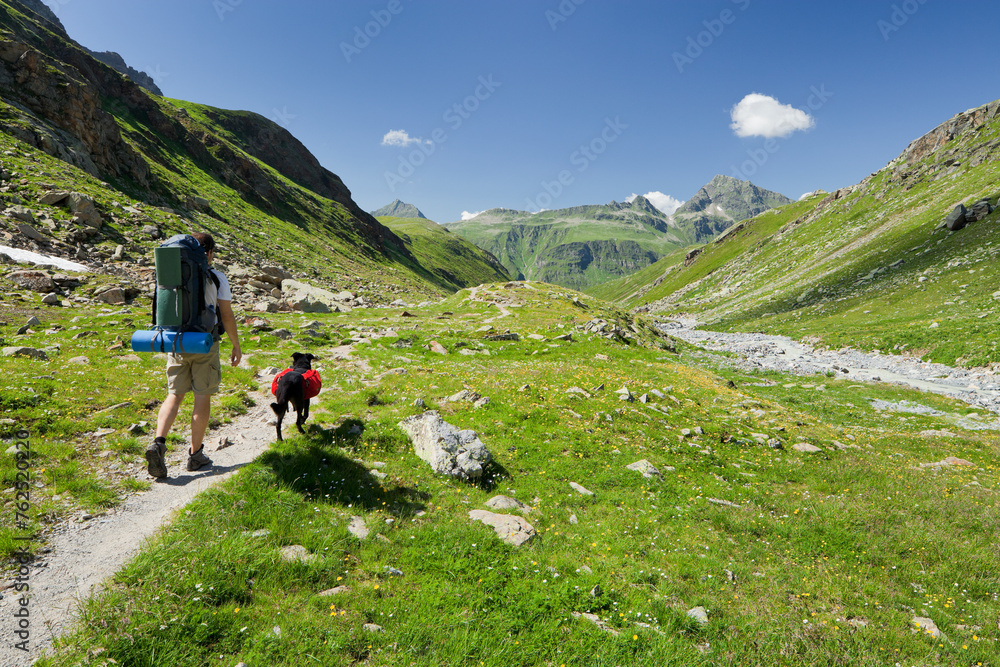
(796, 557)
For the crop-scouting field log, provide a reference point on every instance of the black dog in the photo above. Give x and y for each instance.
(295, 385)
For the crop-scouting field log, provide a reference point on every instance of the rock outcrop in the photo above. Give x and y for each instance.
(449, 450)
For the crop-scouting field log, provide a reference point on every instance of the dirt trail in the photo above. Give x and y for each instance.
(83, 554)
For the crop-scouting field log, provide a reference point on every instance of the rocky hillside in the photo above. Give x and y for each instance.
(575, 247)
(147, 167)
(399, 209)
(905, 261)
(723, 201)
(114, 60)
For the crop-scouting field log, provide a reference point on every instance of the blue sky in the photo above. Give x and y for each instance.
(555, 103)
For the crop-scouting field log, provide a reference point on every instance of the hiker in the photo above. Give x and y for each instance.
(198, 373)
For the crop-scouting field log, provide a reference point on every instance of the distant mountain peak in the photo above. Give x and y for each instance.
(723, 201)
(399, 209)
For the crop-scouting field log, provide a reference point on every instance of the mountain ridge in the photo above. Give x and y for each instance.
(399, 209)
(530, 245)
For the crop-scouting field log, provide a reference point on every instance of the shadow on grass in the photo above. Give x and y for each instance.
(314, 466)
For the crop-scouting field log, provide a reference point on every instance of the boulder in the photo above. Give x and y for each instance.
(198, 203)
(36, 281)
(978, 211)
(643, 466)
(306, 298)
(698, 614)
(82, 206)
(53, 198)
(506, 503)
(25, 352)
(30, 232)
(297, 553)
(956, 219)
(454, 452)
(21, 213)
(273, 275)
(509, 528)
(115, 296)
(358, 528)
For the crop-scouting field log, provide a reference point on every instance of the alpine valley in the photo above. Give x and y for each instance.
(536, 443)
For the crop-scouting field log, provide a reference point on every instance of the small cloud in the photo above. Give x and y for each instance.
(401, 139)
(759, 115)
(665, 203)
(469, 216)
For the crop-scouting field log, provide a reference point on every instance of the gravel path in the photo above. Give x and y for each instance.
(978, 387)
(81, 554)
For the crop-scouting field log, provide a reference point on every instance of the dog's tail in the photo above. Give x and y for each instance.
(280, 408)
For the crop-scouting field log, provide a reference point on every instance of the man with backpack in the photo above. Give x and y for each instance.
(197, 373)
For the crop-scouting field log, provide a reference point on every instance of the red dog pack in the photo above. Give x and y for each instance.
(310, 377)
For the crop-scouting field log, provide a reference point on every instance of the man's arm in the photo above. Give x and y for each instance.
(229, 324)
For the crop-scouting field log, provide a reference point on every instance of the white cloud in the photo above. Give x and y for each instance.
(469, 216)
(759, 115)
(400, 138)
(667, 204)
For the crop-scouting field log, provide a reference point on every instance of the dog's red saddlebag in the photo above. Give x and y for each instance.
(313, 383)
(311, 378)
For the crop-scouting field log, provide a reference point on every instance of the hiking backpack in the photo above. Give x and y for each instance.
(187, 291)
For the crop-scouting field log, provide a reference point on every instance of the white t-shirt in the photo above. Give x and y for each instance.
(224, 292)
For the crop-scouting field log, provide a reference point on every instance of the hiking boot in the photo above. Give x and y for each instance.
(155, 464)
(198, 460)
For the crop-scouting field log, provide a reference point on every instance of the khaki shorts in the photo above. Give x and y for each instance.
(200, 373)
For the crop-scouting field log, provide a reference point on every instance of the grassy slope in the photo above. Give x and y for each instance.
(827, 559)
(526, 252)
(451, 261)
(805, 272)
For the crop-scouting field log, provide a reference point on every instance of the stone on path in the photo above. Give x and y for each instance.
(448, 450)
(581, 490)
(509, 528)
